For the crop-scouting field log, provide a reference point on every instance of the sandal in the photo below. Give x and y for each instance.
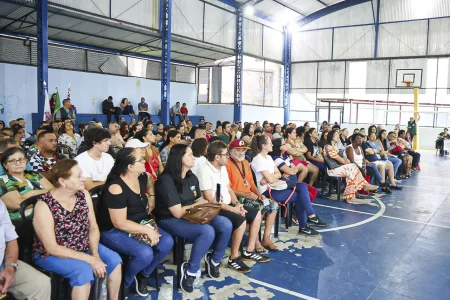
(272, 247)
(260, 249)
(386, 190)
(396, 187)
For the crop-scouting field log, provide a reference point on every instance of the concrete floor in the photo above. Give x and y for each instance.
(389, 247)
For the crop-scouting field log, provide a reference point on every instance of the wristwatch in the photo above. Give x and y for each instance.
(14, 265)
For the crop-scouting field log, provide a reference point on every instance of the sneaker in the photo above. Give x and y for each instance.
(187, 281)
(255, 257)
(315, 221)
(238, 265)
(141, 285)
(308, 231)
(211, 270)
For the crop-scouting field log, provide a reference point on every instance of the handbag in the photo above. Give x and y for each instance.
(291, 181)
(142, 237)
(331, 163)
(279, 185)
(202, 213)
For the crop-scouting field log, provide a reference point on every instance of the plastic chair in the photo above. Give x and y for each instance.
(330, 181)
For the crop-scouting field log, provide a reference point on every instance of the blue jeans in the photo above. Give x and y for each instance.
(142, 257)
(320, 165)
(300, 198)
(217, 231)
(77, 271)
(396, 162)
(376, 172)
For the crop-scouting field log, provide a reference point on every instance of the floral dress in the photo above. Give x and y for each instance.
(71, 227)
(354, 178)
(70, 141)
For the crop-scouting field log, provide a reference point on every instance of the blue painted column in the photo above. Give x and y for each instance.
(239, 58)
(42, 54)
(287, 74)
(166, 33)
(377, 29)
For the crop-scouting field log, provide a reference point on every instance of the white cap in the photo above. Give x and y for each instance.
(135, 143)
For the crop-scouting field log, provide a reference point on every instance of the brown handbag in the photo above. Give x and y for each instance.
(202, 213)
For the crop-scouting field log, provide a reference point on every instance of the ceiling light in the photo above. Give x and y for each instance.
(249, 10)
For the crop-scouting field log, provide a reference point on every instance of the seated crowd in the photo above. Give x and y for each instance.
(153, 178)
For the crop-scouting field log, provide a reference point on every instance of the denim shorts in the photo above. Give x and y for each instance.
(76, 271)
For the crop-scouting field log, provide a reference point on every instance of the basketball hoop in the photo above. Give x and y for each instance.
(408, 83)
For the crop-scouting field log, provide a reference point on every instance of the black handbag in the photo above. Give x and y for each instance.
(331, 163)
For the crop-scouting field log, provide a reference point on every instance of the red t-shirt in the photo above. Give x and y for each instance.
(184, 110)
(155, 165)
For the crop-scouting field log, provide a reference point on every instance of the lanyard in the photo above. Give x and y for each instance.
(243, 169)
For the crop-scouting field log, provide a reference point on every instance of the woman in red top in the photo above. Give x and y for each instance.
(184, 111)
(153, 164)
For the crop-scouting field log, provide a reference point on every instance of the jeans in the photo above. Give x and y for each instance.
(376, 172)
(416, 158)
(77, 271)
(320, 165)
(142, 257)
(300, 198)
(396, 162)
(217, 231)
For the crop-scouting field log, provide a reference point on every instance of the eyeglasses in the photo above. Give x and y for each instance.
(15, 161)
(142, 160)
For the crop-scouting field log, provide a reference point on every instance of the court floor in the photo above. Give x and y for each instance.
(388, 247)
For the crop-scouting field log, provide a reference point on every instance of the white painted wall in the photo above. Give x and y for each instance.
(18, 88)
(250, 113)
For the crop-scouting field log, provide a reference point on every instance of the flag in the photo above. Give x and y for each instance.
(68, 92)
(57, 101)
(47, 113)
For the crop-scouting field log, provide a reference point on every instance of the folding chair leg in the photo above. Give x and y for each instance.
(277, 222)
(339, 182)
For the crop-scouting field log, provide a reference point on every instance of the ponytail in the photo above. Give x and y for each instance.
(257, 143)
(124, 158)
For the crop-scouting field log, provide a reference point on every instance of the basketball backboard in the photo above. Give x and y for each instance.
(409, 78)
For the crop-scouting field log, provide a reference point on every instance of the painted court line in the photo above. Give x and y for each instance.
(372, 218)
(280, 289)
(383, 216)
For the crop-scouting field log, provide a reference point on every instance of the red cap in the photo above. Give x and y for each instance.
(238, 144)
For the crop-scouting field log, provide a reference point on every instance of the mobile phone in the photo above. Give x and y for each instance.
(266, 202)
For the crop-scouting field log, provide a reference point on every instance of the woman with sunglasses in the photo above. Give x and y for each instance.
(17, 184)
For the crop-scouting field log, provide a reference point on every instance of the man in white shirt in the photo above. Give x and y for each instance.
(215, 187)
(20, 279)
(96, 163)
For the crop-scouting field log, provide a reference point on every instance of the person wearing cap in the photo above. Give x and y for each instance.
(215, 187)
(243, 185)
(109, 109)
(145, 139)
(96, 163)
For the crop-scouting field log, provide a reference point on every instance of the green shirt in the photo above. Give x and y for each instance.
(9, 183)
(225, 138)
(412, 129)
(443, 136)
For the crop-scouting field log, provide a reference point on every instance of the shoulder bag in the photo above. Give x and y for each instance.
(202, 213)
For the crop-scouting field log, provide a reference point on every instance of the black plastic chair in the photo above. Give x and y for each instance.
(330, 183)
(63, 149)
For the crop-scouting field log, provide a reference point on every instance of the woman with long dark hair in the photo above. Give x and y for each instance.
(247, 133)
(126, 222)
(348, 170)
(314, 153)
(173, 138)
(178, 190)
(267, 174)
(124, 130)
(68, 137)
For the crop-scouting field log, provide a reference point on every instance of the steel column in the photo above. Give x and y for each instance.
(377, 29)
(238, 70)
(287, 74)
(42, 54)
(166, 33)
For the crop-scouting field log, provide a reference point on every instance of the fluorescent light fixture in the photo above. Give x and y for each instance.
(293, 27)
(249, 10)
